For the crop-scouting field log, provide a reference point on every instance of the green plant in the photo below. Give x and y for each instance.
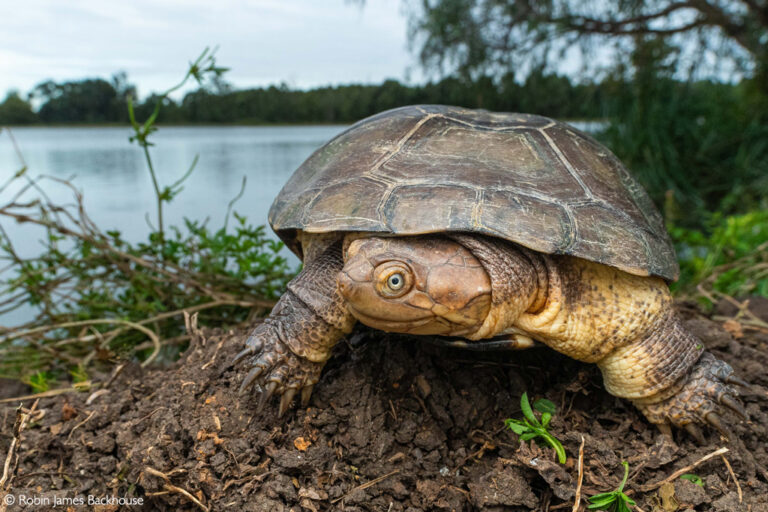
(731, 259)
(696, 479)
(40, 382)
(701, 144)
(96, 296)
(615, 501)
(204, 66)
(530, 428)
(79, 374)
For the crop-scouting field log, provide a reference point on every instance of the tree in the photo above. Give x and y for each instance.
(14, 110)
(696, 146)
(89, 100)
(480, 36)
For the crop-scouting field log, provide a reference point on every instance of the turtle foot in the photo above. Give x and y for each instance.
(276, 369)
(707, 395)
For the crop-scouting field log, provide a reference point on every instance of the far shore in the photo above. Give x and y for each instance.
(161, 125)
(214, 125)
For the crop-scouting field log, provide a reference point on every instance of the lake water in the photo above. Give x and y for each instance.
(116, 185)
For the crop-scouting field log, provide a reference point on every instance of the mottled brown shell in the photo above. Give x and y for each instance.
(528, 179)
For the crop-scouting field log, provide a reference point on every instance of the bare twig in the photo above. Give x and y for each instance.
(44, 394)
(733, 475)
(577, 499)
(367, 485)
(11, 460)
(168, 486)
(86, 420)
(96, 321)
(157, 318)
(686, 469)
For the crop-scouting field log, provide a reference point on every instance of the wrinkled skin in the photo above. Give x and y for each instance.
(477, 288)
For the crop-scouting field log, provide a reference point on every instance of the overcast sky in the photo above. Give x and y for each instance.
(304, 43)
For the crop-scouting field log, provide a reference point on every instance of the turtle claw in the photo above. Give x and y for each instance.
(285, 401)
(695, 432)
(253, 345)
(665, 429)
(251, 378)
(737, 381)
(306, 394)
(734, 405)
(242, 355)
(276, 369)
(702, 400)
(716, 421)
(266, 394)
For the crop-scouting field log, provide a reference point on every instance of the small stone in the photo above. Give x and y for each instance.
(423, 386)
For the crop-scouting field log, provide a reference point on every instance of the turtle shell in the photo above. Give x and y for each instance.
(525, 178)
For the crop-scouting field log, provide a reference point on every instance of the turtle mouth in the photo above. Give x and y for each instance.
(388, 324)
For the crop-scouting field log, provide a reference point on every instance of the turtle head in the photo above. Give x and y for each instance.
(416, 285)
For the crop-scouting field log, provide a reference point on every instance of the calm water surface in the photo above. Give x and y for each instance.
(117, 188)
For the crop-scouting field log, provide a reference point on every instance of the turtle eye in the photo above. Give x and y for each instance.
(393, 280)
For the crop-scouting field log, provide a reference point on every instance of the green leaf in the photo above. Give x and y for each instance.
(528, 436)
(557, 445)
(545, 419)
(693, 478)
(516, 427)
(525, 405)
(545, 406)
(604, 502)
(617, 500)
(627, 499)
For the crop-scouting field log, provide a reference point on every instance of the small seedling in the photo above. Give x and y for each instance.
(40, 382)
(693, 478)
(615, 501)
(78, 374)
(530, 427)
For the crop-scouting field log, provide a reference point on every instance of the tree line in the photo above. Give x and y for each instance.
(95, 100)
(100, 101)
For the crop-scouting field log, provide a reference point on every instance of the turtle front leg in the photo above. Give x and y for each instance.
(290, 347)
(672, 380)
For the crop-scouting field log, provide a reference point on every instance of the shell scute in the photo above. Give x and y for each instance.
(431, 168)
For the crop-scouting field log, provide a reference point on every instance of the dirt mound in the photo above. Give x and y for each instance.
(394, 424)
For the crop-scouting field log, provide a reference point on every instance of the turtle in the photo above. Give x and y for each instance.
(494, 229)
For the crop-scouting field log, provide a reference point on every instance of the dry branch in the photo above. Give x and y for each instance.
(686, 469)
(733, 475)
(577, 498)
(168, 486)
(12, 458)
(367, 485)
